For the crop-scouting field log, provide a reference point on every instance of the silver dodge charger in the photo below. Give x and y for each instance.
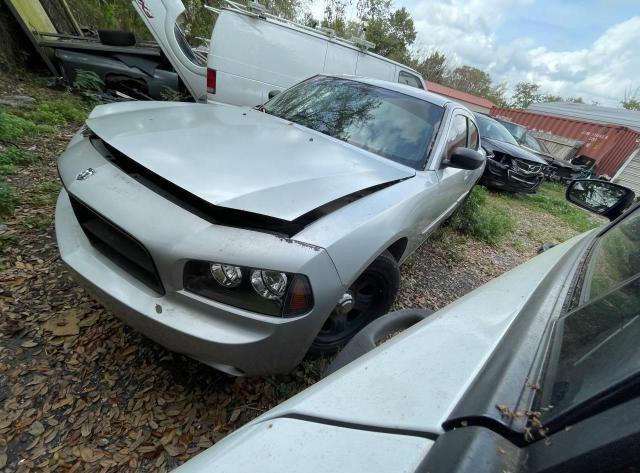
(245, 238)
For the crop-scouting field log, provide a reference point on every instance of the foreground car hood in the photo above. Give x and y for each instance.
(291, 445)
(414, 381)
(511, 150)
(397, 396)
(241, 158)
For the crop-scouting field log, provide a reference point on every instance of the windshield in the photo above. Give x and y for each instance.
(597, 351)
(388, 123)
(533, 143)
(490, 128)
(516, 131)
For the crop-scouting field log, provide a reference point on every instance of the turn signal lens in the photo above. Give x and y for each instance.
(300, 298)
(226, 275)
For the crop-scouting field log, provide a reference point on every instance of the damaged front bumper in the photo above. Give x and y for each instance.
(512, 177)
(229, 338)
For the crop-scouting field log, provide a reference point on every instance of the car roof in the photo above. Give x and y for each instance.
(402, 88)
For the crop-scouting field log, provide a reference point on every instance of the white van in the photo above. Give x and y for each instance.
(252, 53)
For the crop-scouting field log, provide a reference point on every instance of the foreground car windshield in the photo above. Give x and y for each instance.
(382, 121)
(494, 130)
(597, 351)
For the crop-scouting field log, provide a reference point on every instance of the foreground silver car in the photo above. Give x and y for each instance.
(535, 372)
(243, 237)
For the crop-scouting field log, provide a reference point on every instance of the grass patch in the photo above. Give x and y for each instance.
(482, 219)
(58, 112)
(12, 157)
(453, 244)
(8, 199)
(46, 193)
(13, 128)
(550, 198)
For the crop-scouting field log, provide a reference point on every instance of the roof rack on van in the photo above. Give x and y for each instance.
(256, 9)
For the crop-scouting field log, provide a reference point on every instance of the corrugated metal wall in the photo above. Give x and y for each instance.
(629, 175)
(608, 145)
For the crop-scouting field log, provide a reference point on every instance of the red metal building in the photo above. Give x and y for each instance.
(608, 145)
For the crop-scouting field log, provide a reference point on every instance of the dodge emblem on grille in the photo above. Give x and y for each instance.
(86, 174)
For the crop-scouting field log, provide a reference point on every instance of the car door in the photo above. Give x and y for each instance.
(163, 17)
(455, 184)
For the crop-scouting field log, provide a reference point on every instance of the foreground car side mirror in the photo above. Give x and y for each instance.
(273, 93)
(600, 197)
(465, 158)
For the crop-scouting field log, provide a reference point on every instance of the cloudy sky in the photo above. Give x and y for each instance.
(588, 48)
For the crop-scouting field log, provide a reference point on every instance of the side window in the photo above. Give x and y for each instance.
(474, 136)
(409, 79)
(457, 136)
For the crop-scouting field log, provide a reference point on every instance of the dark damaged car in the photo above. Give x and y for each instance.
(509, 166)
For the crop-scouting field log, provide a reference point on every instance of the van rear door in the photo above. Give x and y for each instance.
(252, 56)
(163, 18)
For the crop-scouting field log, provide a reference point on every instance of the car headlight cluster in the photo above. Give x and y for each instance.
(259, 290)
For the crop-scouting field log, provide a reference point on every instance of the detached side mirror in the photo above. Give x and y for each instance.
(600, 197)
(465, 158)
(273, 93)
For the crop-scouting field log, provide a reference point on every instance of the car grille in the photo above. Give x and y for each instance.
(117, 245)
(526, 168)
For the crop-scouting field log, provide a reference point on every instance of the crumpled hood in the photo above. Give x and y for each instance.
(241, 158)
(511, 150)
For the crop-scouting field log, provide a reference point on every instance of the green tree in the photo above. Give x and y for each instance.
(433, 67)
(525, 94)
(631, 103)
(392, 34)
(476, 81)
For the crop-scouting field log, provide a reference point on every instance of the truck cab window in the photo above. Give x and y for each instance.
(409, 79)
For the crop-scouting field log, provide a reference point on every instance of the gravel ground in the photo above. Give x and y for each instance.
(80, 391)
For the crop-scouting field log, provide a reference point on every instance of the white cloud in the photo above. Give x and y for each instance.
(466, 31)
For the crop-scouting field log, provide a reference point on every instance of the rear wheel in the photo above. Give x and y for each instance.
(373, 294)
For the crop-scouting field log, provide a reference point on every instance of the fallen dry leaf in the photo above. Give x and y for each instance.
(36, 428)
(63, 326)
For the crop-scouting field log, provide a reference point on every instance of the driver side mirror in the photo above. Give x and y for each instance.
(465, 158)
(273, 93)
(600, 197)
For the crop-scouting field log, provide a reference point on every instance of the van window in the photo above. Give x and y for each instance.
(409, 79)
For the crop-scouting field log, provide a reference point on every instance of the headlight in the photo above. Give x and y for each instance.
(269, 284)
(258, 290)
(226, 275)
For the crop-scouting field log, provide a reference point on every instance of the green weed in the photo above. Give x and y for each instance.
(550, 198)
(46, 193)
(13, 128)
(482, 219)
(8, 199)
(12, 157)
(58, 112)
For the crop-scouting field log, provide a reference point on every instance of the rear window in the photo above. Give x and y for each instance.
(385, 122)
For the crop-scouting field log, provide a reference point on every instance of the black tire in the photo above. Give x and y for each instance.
(116, 38)
(375, 333)
(374, 292)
